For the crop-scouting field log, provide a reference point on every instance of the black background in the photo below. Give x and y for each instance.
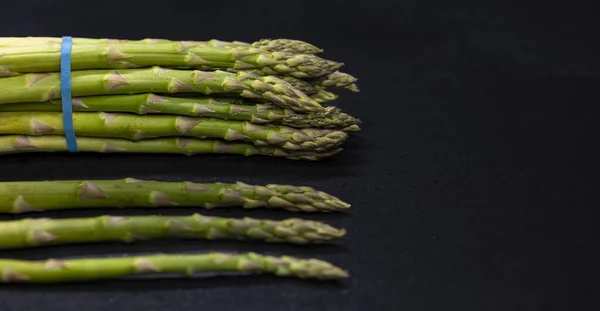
(470, 183)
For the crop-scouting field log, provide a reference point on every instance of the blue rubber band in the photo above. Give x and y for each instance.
(65, 90)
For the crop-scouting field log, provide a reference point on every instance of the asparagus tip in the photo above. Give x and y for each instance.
(353, 88)
(287, 45)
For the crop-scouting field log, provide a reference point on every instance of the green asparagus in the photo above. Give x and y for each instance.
(135, 127)
(221, 108)
(336, 79)
(74, 270)
(322, 96)
(45, 231)
(32, 196)
(281, 45)
(301, 85)
(16, 60)
(351, 128)
(269, 45)
(180, 145)
(312, 86)
(42, 87)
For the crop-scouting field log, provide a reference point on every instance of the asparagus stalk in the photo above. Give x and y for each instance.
(220, 108)
(31, 196)
(135, 127)
(269, 45)
(312, 86)
(180, 145)
(41, 87)
(127, 54)
(45, 231)
(77, 270)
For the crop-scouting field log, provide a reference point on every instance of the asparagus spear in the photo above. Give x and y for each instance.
(135, 127)
(312, 86)
(76, 270)
(30, 196)
(45, 231)
(41, 87)
(180, 145)
(269, 45)
(351, 128)
(128, 54)
(220, 108)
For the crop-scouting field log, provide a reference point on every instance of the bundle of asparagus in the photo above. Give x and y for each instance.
(37, 196)
(162, 96)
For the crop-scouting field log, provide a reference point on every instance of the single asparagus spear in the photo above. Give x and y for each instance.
(30, 196)
(131, 54)
(221, 108)
(45, 231)
(77, 270)
(188, 146)
(269, 45)
(42, 87)
(136, 127)
(312, 86)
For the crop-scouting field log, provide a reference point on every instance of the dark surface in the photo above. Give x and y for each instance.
(470, 182)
